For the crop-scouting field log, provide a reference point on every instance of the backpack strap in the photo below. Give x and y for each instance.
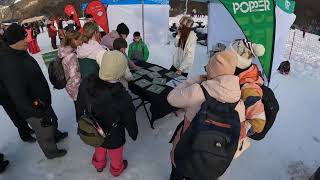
(205, 92)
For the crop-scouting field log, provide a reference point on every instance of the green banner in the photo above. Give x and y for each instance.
(286, 5)
(256, 18)
(49, 57)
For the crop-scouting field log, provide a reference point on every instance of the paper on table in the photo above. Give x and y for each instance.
(143, 83)
(155, 68)
(153, 75)
(142, 72)
(173, 83)
(135, 76)
(159, 81)
(171, 75)
(156, 89)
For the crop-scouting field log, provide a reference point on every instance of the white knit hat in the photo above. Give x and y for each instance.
(113, 66)
(246, 51)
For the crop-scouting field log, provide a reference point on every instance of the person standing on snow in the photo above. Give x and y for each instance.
(250, 82)
(24, 83)
(121, 32)
(70, 63)
(88, 51)
(186, 46)
(112, 106)
(221, 84)
(52, 31)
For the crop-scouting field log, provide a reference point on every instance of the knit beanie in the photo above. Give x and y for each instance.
(245, 51)
(123, 29)
(14, 34)
(113, 66)
(186, 21)
(222, 63)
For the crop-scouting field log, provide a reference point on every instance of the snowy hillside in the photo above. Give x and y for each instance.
(290, 151)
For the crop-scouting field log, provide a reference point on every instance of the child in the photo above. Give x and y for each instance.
(221, 84)
(70, 63)
(112, 106)
(138, 50)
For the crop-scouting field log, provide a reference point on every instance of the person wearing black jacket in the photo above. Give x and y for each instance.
(112, 106)
(3, 163)
(25, 86)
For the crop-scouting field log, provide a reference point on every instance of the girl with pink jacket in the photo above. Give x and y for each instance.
(71, 65)
(221, 84)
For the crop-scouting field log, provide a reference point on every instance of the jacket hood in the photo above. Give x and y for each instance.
(251, 75)
(65, 51)
(114, 34)
(225, 88)
(89, 49)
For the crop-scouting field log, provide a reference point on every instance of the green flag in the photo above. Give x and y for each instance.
(256, 18)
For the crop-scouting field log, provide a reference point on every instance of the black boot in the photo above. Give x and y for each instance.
(59, 136)
(26, 137)
(125, 164)
(3, 166)
(60, 153)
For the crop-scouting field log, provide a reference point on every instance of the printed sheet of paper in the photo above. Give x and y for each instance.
(135, 76)
(142, 72)
(171, 75)
(153, 75)
(156, 89)
(159, 81)
(173, 83)
(155, 69)
(143, 83)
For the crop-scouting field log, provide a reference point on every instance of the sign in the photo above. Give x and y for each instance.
(256, 18)
(99, 13)
(70, 10)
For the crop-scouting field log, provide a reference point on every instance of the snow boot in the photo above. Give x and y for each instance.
(59, 136)
(60, 153)
(26, 137)
(3, 166)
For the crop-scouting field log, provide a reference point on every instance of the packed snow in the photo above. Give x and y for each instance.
(290, 151)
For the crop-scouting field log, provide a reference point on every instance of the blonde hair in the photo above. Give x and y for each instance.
(89, 29)
(67, 41)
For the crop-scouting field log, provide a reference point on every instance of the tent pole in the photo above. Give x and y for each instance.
(143, 33)
(185, 13)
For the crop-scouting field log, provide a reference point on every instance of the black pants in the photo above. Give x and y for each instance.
(54, 42)
(175, 176)
(78, 110)
(17, 120)
(175, 70)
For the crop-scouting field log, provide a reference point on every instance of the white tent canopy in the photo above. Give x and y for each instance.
(150, 18)
(34, 19)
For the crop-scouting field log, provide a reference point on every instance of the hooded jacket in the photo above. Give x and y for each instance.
(71, 70)
(138, 51)
(251, 94)
(110, 103)
(189, 96)
(183, 59)
(108, 39)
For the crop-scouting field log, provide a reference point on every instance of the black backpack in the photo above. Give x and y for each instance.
(208, 146)
(56, 74)
(284, 68)
(271, 108)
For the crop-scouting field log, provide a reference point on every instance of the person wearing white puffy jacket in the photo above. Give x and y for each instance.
(186, 46)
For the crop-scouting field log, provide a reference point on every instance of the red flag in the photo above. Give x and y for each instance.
(70, 10)
(99, 13)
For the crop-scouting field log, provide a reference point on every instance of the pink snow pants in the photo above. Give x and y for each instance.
(99, 160)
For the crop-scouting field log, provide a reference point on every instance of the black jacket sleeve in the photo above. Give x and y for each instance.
(129, 119)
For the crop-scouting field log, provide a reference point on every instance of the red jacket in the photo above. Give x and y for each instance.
(52, 31)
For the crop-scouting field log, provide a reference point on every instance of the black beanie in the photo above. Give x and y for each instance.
(14, 34)
(123, 29)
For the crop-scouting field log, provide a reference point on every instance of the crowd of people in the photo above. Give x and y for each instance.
(97, 71)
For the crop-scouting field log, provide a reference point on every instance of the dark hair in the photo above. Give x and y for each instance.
(184, 34)
(89, 16)
(136, 34)
(122, 28)
(119, 44)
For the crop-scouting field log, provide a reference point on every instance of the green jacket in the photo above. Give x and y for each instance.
(138, 51)
(88, 67)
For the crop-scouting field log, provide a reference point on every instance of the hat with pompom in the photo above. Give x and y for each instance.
(246, 51)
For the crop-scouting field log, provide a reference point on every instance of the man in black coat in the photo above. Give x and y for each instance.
(25, 86)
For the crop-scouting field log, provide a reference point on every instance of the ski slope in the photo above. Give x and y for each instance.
(290, 151)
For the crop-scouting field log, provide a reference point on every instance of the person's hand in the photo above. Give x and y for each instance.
(179, 72)
(203, 78)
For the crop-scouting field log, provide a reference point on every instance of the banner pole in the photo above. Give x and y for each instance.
(143, 33)
(294, 35)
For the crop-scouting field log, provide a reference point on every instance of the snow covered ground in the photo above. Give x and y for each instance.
(290, 151)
